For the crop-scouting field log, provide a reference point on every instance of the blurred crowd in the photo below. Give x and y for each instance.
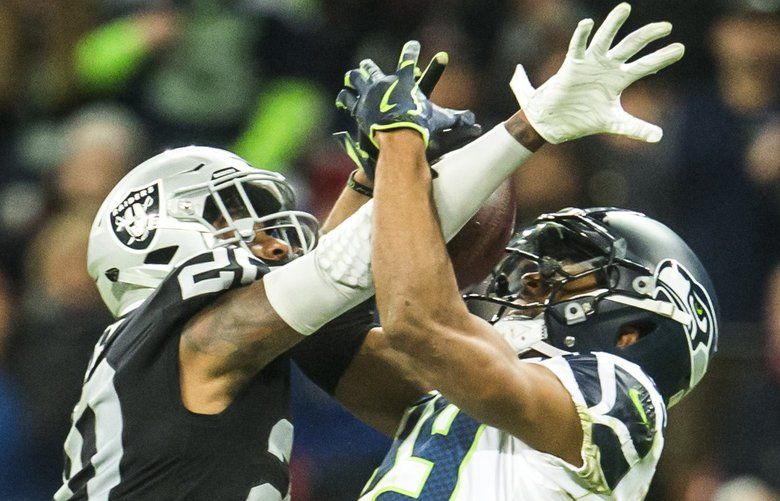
(88, 88)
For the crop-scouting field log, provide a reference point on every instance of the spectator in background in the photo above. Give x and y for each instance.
(193, 69)
(745, 489)
(36, 71)
(62, 315)
(101, 143)
(752, 446)
(12, 452)
(625, 174)
(36, 89)
(726, 219)
(528, 25)
(764, 160)
(531, 24)
(90, 151)
(62, 318)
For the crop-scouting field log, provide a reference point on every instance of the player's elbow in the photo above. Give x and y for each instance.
(404, 321)
(412, 326)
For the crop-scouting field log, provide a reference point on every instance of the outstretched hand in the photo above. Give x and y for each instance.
(583, 98)
(381, 102)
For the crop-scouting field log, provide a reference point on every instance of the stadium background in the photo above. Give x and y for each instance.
(90, 87)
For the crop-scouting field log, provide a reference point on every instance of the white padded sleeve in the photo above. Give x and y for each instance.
(336, 276)
(468, 176)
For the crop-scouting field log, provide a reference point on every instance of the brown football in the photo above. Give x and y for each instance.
(479, 245)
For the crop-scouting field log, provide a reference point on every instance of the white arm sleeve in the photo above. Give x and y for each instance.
(336, 276)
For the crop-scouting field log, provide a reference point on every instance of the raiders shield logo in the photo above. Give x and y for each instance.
(134, 220)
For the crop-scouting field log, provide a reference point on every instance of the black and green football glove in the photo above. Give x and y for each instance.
(381, 102)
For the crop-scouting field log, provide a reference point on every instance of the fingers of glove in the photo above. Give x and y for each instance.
(350, 147)
(442, 118)
(346, 100)
(638, 39)
(357, 154)
(407, 62)
(356, 79)
(433, 72)
(344, 139)
(606, 32)
(633, 127)
(579, 40)
(371, 71)
(521, 86)
(652, 63)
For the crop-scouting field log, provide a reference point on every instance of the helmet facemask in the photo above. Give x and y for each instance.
(553, 262)
(239, 204)
(591, 285)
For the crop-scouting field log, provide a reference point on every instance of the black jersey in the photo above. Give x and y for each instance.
(131, 436)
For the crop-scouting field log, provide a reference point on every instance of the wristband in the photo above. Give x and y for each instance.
(360, 188)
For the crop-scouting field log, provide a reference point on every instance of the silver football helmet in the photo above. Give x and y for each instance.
(180, 203)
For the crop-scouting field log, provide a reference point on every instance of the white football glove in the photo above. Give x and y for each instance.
(583, 98)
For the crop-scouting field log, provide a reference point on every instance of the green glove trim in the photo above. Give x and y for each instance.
(400, 125)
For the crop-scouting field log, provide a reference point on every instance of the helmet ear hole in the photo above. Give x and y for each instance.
(112, 274)
(632, 332)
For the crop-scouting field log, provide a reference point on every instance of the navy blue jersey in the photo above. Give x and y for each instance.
(440, 452)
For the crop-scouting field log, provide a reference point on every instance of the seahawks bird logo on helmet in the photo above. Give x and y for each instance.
(678, 286)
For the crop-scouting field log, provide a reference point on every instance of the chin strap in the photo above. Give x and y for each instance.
(663, 308)
(524, 334)
(548, 350)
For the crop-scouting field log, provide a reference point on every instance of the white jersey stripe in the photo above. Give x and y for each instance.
(606, 369)
(108, 436)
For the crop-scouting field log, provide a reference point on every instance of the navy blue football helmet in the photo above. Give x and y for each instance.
(603, 271)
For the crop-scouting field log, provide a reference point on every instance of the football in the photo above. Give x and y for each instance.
(479, 245)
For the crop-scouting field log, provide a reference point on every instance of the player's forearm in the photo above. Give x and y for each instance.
(336, 276)
(412, 271)
(348, 202)
(423, 315)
